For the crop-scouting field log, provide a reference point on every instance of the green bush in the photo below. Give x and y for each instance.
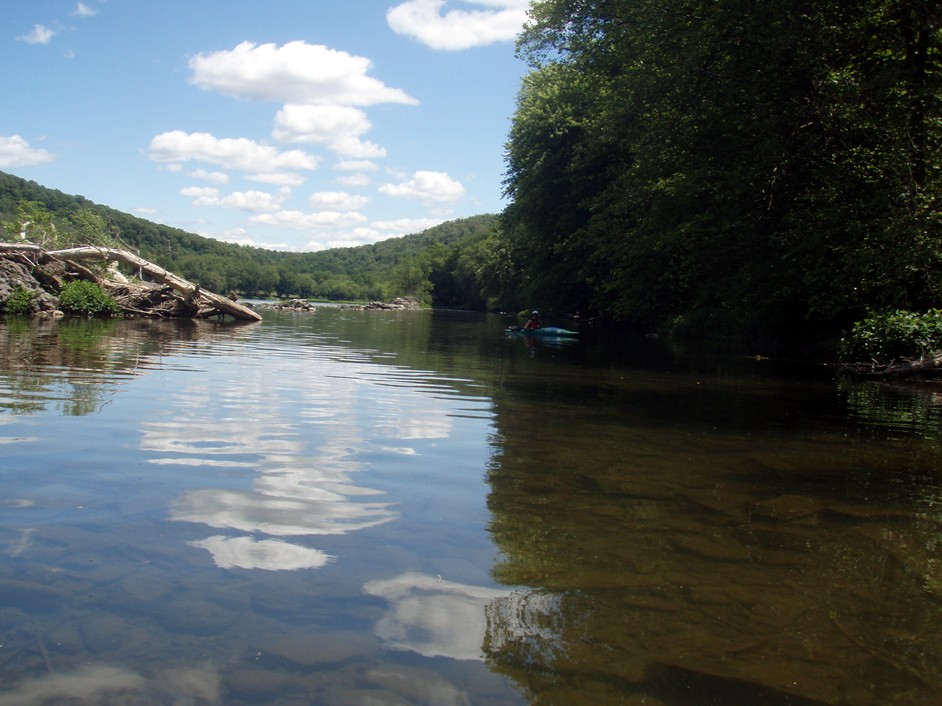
(83, 298)
(19, 303)
(893, 335)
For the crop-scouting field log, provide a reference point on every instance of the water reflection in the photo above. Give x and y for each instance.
(411, 509)
(268, 554)
(104, 684)
(91, 683)
(433, 617)
(663, 560)
(901, 409)
(76, 365)
(302, 465)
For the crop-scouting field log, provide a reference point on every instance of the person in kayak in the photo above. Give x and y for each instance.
(533, 322)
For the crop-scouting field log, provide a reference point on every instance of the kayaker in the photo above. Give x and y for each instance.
(533, 322)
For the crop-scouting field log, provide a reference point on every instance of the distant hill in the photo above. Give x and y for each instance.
(363, 272)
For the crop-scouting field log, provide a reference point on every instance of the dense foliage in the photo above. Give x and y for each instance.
(449, 263)
(771, 169)
(893, 335)
(84, 298)
(19, 303)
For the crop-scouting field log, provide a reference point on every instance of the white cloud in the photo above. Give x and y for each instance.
(356, 165)
(39, 35)
(238, 236)
(353, 180)
(200, 192)
(252, 201)
(406, 226)
(426, 186)
(83, 10)
(351, 239)
(337, 201)
(230, 153)
(364, 235)
(307, 221)
(16, 152)
(282, 179)
(457, 29)
(355, 237)
(296, 72)
(337, 126)
(214, 177)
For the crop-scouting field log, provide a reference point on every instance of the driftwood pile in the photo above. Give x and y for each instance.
(928, 366)
(162, 294)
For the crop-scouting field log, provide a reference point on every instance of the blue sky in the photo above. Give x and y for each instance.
(285, 124)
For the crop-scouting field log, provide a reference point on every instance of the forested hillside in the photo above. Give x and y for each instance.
(769, 169)
(442, 264)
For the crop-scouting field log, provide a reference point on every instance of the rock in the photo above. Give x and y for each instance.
(17, 275)
(397, 304)
(297, 305)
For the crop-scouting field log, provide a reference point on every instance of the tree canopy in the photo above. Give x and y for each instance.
(769, 168)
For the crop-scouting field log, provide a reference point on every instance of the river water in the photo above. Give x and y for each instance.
(388, 508)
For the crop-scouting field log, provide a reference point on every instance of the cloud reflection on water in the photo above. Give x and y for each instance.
(253, 511)
(302, 436)
(89, 683)
(433, 617)
(269, 554)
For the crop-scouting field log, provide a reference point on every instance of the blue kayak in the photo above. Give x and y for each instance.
(545, 331)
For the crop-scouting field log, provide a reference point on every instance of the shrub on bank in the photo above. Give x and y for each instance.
(19, 303)
(83, 298)
(893, 335)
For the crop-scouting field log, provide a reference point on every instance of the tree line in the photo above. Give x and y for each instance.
(446, 265)
(769, 169)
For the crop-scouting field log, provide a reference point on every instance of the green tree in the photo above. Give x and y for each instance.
(755, 167)
(90, 228)
(33, 222)
(410, 278)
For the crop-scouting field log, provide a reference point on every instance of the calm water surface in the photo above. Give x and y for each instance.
(397, 508)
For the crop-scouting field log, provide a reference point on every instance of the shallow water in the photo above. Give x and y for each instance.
(415, 508)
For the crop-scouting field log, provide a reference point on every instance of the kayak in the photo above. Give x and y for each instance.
(544, 332)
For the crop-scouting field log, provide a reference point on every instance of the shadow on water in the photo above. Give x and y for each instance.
(616, 519)
(715, 531)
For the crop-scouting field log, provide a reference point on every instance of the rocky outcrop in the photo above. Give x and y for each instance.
(398, 304)
(18, 274)
(295, 305)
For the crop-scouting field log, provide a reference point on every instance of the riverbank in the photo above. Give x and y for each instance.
(32, 280)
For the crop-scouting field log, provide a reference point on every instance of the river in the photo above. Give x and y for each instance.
(388, 508)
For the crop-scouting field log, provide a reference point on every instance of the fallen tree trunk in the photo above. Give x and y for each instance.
(192, 292)
(928, 366)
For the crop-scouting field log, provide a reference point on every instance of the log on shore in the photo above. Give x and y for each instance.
(205, 302)
(929, 366)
